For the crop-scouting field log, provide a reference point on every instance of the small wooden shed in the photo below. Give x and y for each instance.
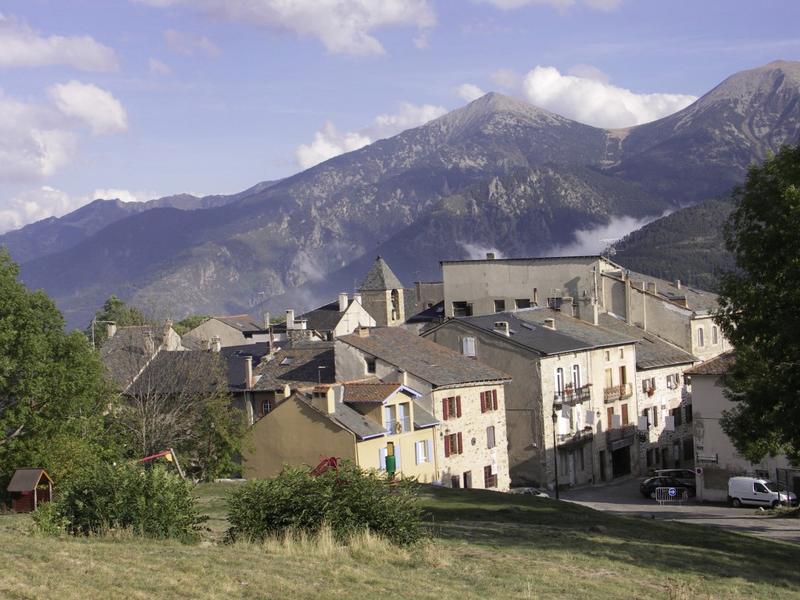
(29, 488)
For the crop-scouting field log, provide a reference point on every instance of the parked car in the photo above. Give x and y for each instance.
(782, 488)
(687, 476)
(649, 485)
(756, 492)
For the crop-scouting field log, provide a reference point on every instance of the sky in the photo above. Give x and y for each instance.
(138, 99)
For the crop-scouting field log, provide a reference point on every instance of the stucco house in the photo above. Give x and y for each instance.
(327, 322)
(360, 421)
(234, 330)
(467, 397)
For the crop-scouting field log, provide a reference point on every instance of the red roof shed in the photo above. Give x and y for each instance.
(29, 487)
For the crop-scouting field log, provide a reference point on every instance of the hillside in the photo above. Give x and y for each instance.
(496, 173)
(686, 245)
(486, 545)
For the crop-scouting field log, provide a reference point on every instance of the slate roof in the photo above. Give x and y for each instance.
(715, 366)
(324, 318)
(434, 313)
(126, 353)
(188, 372)
(698, 301)
(652, 352)
(243, 323)
(422, 357)
(26, 479)
(526, 327)
(349, 419)
(297, 364)
(380, 278)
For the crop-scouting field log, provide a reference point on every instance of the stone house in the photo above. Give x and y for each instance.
(326, 322)
(716, 457)
(235, 330)
(128, 350)
(466, 397)
(383, 295)
(360, 421)
(565, 370)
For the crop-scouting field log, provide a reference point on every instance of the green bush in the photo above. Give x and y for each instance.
(150, 502)
(348, 500)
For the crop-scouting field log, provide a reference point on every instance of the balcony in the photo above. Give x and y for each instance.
(397, 425)
(573, 396)
(575, 439)
(617, 392)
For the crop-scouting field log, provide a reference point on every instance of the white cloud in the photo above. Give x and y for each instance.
(479, 251)
(90, 104)
(469, 92)
(43, 202)
(343, 26)
(588, 72)
(158, 67)
(506, 78)
(604, 5)
(596, 240)
(21, 46)
(190, 44)
(562, 5)
(421, 40)
(596, 102)
(330, 142)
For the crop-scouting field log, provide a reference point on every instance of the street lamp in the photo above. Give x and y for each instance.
(555, 448)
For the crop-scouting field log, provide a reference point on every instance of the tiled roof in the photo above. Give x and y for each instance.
(379, 278)
(715, 366)
(369, 392)
(422, 358)
(297, 364)
(652, 352)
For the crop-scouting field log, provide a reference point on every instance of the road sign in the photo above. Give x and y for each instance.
(672, 492)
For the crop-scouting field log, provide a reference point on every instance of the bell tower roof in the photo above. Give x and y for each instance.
(380, 278)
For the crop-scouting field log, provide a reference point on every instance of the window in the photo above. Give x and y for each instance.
(700, 337)
(462, 309)
(676, 414)
(655, 418)
(650, 458)
(424, 451)
(608, 355)
(455, 482)
(451, 407)
(490, 437)
(266, 406)
(649, 386)
(559, 380)
(688, 449)
(760, 487)
(688, 413)
(623, 375)
(488, 400)
(489, 477)
(395, 305)
(453, 444)
(622, 352)
(468, 346)
(371, 365)
(624, 414)
(646, 415)
(499, 306)
(554, 303)
(610, 415)
(522, 303)
(673, 381)
(714, 335)
(609, 378)
(467, 479)
(535, 297)
(576, 376)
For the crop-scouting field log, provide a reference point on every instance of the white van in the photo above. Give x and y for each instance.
(752, 490)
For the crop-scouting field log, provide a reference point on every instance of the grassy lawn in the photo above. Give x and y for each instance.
(485, 545)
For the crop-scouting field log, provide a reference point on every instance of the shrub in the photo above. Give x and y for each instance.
(349, 501)
(147, 502)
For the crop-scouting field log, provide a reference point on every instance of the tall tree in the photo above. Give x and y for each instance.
(52, 392)
(114, 310)
(760, 310)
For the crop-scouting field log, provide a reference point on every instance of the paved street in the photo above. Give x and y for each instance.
(624, 498)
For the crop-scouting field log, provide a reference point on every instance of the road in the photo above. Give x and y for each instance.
(624, 498)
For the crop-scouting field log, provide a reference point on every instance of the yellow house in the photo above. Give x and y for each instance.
(362, 421)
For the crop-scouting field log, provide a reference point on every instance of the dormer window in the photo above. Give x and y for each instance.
(371, 366)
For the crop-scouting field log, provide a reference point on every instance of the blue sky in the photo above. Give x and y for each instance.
(144, 98)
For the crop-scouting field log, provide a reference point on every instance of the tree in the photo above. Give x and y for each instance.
(181, 401)
(760, 310)
(52, 392)
(185, 325)
(116, 311)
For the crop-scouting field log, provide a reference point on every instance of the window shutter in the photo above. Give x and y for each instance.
(494, 399)
(445, 416)
(458, 406)
(483, 402)
(460, 445)
(447, 445)
(397, 457)
(430, 451)
(382, 459)
(418, 451)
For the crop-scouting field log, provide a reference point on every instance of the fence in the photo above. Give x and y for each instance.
(671, 495)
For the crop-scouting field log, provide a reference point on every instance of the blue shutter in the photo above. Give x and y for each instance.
(382, 458)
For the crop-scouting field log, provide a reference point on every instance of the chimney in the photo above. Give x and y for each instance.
(167, 324)
(651, 287)
(362, 332)
(216, 344)
(290, 319)
(402, 377)
(490, 256)
(550, 323)
(595, 314)
(206, 344)
(111, 329)
(267, 320)
(342, 301)
(501, 327)
(567, 306)
(248, 372)
(357, 298)
(678, 283)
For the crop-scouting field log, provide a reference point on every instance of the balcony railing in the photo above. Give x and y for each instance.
(575, 438)
(617, 392)
(573, 395)
(398, 425)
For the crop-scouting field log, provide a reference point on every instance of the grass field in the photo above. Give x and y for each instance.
(485, 545)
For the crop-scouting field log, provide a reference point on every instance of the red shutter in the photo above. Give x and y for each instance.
(460, 446)
(494, 399)
(458, 406)
(447, 445)
(483, 402)
(445, 416)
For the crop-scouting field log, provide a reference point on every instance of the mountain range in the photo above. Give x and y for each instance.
(496, 174)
